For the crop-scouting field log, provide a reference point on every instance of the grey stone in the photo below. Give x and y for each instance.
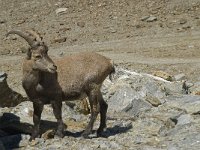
(171, 147)
(154, 101)
(150, 87)
(127, 100)
(138, 139)
(1, 113)
(107, 145)
(186, 27)
(184, 119)
(112, 30)
(183, 21)
(2, 146)
(61, 10)
(172, 124)
(189, 103)
(191, 141)
(151, 19)
(195, 89)
(3, 133)
(186, 88)
(49, 134)
(123, 124)
(15, 141)
(61, 54)
(179, 77)
(131, 89)
(2, 21)
(143, 84)
(198, 23)
(8, 97)
(81, 24)
(5, 52)
(23, 49)
(184, 141)
(137, 106)
(25, 111)
(13, 123)
(164, 75)
(173, 88)
(144, 18)
(59, 40)
(115, 145)
(3, 76)
(151, 148)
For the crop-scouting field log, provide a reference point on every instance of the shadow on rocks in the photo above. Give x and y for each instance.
(9, 97)
(12, 131)
(117, 130)
(111, 131)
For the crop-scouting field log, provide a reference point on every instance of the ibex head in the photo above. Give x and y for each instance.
(38, 51)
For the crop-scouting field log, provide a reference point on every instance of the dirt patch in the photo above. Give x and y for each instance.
(145, 35)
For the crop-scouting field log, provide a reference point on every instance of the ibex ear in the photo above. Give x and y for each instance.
(46, 47)
(28, 57)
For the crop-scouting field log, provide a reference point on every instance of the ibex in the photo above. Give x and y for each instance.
(69, 78)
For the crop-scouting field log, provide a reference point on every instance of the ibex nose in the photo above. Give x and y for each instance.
(52, 68)
(55, 66)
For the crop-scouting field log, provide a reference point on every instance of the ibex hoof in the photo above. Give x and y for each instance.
(85, 135)
(100, 132)
(59, 134)
(33, 138)
(34, 135)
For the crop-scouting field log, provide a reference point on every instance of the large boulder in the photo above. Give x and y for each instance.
(189, 103)
(1, 145)
(8, 97)
(20, 118)
(127, 100)
(133, 92)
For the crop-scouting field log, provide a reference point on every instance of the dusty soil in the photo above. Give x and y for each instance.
(116, 29)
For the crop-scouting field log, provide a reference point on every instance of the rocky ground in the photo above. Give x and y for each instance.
(144, 38)
(145, 112)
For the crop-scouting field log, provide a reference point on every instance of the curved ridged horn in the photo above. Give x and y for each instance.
(35, 34)
(31, 40)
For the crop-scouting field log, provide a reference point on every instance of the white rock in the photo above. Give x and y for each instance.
(184, 119)
(151, 19)
(60, 10)
(179, 77)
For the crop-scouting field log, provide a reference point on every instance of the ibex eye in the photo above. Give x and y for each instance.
(38, 56)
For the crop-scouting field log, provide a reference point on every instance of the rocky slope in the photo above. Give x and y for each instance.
(144, 38)
(145, 112)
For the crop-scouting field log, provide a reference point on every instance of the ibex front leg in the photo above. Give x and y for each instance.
(57, 110)
(38, 107)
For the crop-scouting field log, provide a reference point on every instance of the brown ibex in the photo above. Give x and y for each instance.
(73, 77)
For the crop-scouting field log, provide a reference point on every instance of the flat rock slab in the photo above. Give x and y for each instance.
(3, 76)
(189, 103)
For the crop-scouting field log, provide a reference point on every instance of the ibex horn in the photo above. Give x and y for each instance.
(30, 39)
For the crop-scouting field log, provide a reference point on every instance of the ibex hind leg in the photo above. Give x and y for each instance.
(103, 112)
(94, 105)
